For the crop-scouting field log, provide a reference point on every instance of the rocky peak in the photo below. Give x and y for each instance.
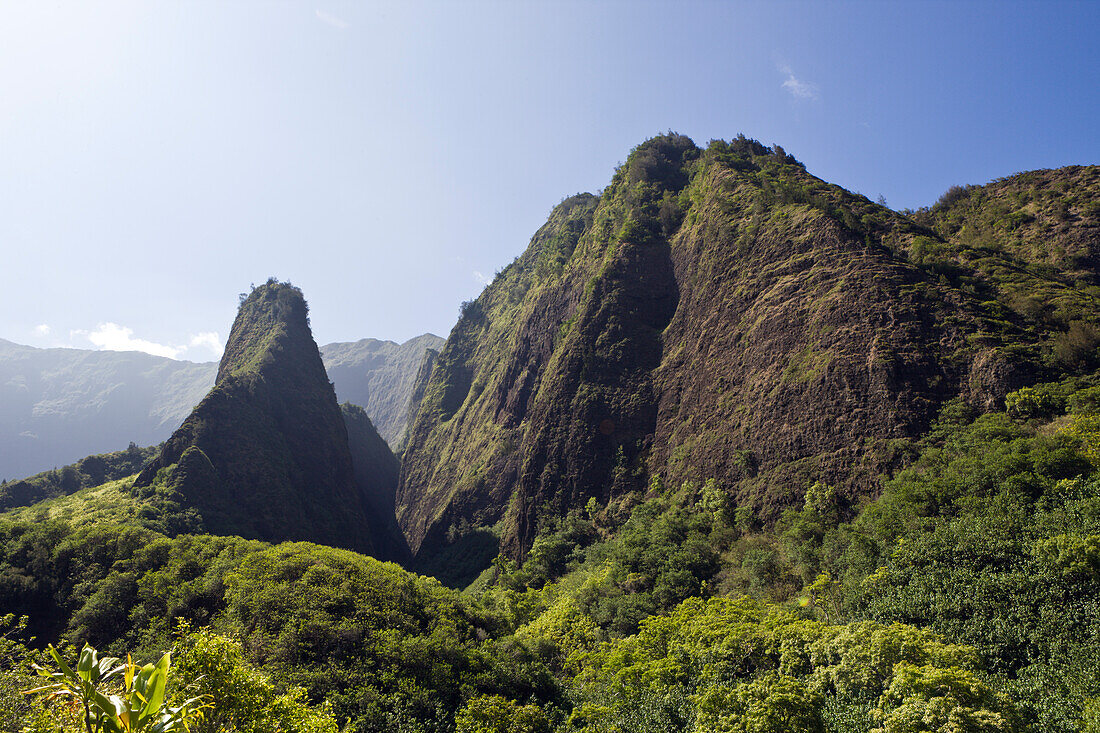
(265, 454)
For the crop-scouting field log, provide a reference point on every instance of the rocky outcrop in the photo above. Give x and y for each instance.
(265, 454)
(715, 314)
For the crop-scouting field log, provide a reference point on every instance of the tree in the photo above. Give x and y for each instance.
(496, 714)
(774, 703)
(927, 699)
(243, 698)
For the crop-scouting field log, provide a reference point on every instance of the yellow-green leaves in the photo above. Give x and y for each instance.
(139, 707)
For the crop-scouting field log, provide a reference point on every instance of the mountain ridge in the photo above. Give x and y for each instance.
(719, 315)
(62, 404)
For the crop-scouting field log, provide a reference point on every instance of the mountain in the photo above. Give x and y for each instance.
(737, 431)
(265, 454)
(379, 376)
(377, 471)
(720, 316)
(59, 405)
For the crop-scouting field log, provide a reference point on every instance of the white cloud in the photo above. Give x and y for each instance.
(42, 329)
(480, 278)
(796, 87)
(113, 337)
(209, 340)
(331, 19)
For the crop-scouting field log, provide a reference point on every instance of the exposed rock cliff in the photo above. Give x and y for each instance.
(714, 314)
(265, 454)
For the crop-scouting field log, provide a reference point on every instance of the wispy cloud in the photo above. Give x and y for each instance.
(480, 278)
(798, 88)
(42, 329)
(113, 337)
(209, 340)
(330, 19)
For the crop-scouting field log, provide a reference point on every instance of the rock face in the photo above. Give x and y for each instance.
(265, 454)
(379, 376)
(715, 314)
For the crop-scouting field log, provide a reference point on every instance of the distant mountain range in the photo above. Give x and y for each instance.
(719, 436)
(59, 405)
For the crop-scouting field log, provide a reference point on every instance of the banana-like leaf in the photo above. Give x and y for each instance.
(85, 662)
(155, 691)
(65, 669)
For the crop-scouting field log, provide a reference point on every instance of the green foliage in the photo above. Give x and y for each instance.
(743, 665)
(243, 698)
(378, 643)
(771, 704)
(496, 714)
(85, 473)
(1029, 402)
(19, 711)
(927, 699)
(138, 706)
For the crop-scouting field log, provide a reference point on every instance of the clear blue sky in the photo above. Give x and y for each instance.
(157, 158)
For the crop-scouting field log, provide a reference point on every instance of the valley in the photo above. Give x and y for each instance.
(726, 448)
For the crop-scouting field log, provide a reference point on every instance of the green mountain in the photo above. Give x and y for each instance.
(759, 454)
(265, 454)
(721, 316)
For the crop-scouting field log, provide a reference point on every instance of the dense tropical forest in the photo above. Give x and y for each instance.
(726, 449)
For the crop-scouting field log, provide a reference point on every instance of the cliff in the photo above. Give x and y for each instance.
(265, 454)
(723, 315)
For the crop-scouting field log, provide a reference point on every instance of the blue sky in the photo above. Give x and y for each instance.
(157, 158)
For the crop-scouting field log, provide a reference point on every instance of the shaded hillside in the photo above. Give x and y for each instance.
(265, 454)
(715, 315)
(377, 470)
(379, 376)
(58, 405)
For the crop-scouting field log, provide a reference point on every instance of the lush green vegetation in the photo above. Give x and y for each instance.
(982, 559)
(85, 473)
(963, 599)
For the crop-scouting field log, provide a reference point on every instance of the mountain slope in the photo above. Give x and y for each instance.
(379, 376)
(715, 315)
(265, 454)
(59, 405)
(377, 471)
